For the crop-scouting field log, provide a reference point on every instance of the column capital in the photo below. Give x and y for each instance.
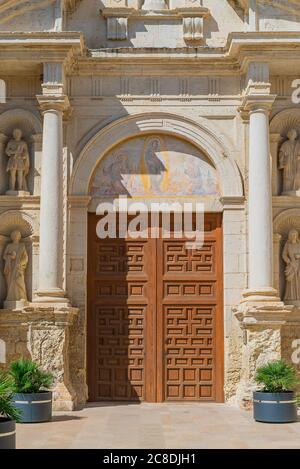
(258, 102)
(56, 103)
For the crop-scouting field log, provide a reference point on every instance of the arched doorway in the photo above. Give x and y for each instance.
(90, 184)
(155, 307)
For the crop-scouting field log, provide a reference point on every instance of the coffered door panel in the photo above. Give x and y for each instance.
(190, 315)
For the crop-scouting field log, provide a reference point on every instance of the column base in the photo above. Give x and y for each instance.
(261, 295)
(53, 296)
(266, 325)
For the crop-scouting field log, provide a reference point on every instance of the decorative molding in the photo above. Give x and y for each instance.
(127, 12)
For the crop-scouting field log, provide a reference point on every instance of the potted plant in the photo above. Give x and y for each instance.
(9, 415)
(31, 387)
(275, 402)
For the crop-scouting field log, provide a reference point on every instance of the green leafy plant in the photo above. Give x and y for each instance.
(7, 408)
(28, 377)
(277, 376)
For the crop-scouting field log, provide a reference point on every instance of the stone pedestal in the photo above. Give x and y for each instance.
(266, 328)
(42, 334)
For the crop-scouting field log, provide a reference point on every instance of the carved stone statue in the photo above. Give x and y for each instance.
(16, 260)
(291, 256)
(18, 164)
(289, 162)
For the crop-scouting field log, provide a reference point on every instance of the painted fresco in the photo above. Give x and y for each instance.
(155, 166)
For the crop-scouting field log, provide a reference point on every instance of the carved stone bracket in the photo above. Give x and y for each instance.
(192, 29)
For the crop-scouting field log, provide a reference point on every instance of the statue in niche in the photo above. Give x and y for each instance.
(16, 260)
(18, 163)
(289, 162)
(291, 256)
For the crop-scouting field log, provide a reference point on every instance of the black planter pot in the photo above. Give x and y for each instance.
(35, 407)
(279, 407)
(7, 433)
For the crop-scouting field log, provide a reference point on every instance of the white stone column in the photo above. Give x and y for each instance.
(260, 224)
(51, 238)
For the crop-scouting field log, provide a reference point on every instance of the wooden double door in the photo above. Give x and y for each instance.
(155, 317)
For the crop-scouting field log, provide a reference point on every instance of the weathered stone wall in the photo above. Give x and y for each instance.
(42, 334)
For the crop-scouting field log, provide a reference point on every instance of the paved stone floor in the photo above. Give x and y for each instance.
(157, 426)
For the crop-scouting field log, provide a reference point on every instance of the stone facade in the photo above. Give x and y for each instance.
(209, 77)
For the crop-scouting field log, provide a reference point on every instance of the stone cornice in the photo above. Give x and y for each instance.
(38, 47)
(241, 49)
(43, 40)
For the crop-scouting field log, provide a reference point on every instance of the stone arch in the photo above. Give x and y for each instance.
(29, 123)
(18, 220)
(216, 148)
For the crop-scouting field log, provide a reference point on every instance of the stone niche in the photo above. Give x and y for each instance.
(284, 150)
(31, 135)
(285, 223)
(27, 224)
